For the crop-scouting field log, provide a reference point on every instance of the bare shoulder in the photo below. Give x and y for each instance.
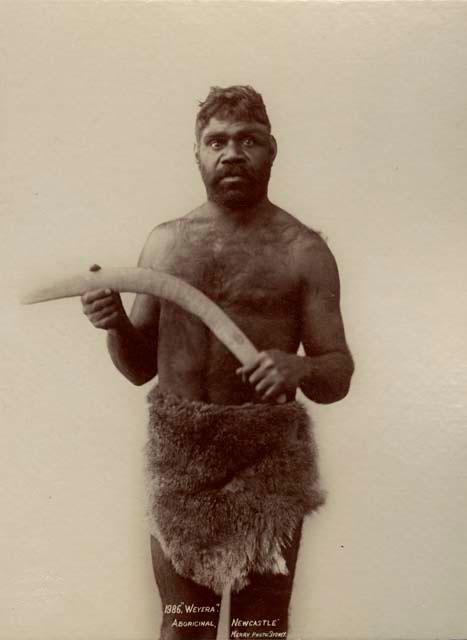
(161, 242)
(312, 257)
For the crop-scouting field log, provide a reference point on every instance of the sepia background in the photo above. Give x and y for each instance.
(368, 103)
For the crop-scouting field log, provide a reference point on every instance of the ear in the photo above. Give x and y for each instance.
(273, 150)
(196, 152)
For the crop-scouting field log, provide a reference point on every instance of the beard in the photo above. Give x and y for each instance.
(245, 192)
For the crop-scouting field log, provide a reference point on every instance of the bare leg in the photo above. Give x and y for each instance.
(265, 600)
(178, 594)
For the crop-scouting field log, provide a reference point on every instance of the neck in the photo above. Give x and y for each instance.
(238, 216)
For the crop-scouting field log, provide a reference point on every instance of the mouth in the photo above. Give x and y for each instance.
(232, 178)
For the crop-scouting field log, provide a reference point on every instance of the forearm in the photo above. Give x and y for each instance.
(133, 353)
(326, 378)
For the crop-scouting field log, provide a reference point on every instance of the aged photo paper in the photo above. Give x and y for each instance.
(368, 104)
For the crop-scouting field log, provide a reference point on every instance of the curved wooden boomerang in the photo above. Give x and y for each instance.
(162, 285)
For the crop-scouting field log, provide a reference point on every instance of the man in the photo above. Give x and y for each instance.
(278, 281)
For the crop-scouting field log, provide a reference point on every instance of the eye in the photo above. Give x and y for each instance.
(216, 144)
(248, 142)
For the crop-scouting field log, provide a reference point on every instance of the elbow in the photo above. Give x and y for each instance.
(334, 393)
(138, 378)
(138, 382)
(334, 389)
(343, 383)
(329, 395)
(340, 387)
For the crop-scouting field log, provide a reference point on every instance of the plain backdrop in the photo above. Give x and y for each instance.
(368, 103)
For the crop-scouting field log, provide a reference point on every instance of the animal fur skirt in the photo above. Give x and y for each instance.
(228, 484)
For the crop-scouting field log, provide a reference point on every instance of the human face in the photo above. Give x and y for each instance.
(235, 159)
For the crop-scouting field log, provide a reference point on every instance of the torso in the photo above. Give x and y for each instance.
(250, 272)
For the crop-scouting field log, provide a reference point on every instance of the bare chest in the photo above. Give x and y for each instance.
(245, 275)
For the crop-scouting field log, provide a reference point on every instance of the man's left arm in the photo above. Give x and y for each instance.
(324, 373)
(328, 366)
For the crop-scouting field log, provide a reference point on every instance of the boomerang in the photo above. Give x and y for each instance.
(162, 285)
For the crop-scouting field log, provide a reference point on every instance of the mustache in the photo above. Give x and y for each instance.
(234, 171)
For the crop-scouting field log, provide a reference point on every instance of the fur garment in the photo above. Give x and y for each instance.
(228, 484)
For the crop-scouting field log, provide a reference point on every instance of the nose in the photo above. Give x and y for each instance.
(233, 153)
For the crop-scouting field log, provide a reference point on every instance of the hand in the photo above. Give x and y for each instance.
(273, 373)
(104, 309)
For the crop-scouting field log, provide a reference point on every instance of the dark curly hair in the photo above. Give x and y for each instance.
(239, 101)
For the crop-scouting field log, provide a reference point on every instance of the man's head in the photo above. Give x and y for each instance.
(234, 147)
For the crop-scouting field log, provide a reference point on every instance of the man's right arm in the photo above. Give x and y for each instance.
(131, 341)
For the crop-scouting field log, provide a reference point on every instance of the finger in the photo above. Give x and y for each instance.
(95, 294)
(101, 303)
(246, 369)
(258, 375)
(95, 307)
(265, 368)
(266, 383)
(104, 313)
(239, 372)
(262, 359)
(274, 392)
(107, 323)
